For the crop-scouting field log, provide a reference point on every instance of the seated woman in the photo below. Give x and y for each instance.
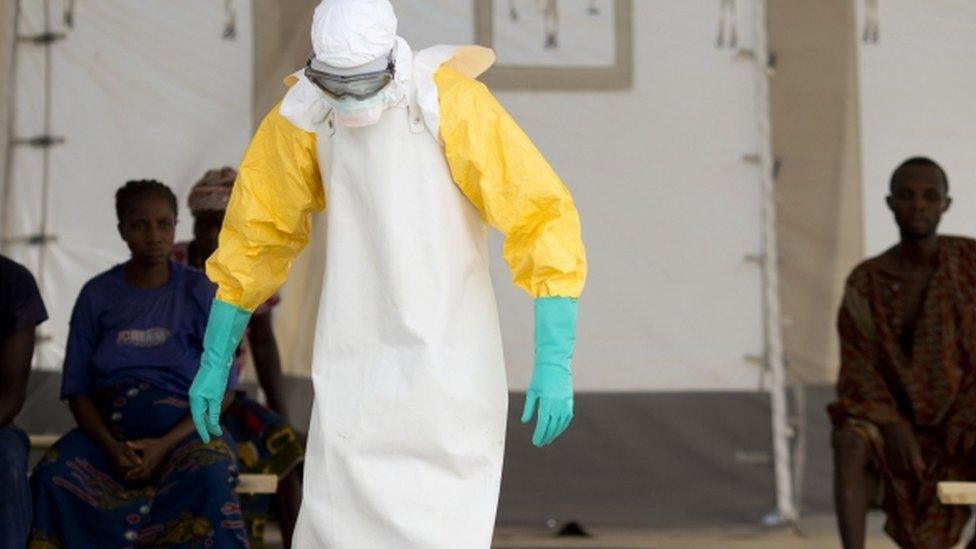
(135, 472)
(266, 444)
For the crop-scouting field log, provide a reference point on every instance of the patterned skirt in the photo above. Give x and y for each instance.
(81, 501)
(266, 445)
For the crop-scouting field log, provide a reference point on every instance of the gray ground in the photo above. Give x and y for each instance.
(816, 532)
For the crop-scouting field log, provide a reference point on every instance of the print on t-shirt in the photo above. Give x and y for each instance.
(153, 337)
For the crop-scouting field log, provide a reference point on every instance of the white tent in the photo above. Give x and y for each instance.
(660, 127)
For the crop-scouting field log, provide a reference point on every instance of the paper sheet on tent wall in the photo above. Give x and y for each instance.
(565, 45)
(917, 87)
(139, 90)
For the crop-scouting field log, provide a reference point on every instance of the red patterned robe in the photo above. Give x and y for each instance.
(932, 390)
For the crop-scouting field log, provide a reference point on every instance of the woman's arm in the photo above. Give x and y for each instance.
(15, 362)
(153, 452)
(91, 423)
(267, 361)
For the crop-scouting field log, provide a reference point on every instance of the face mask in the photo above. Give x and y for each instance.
(355, 113)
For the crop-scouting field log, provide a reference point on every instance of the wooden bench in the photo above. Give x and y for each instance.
(247, 484)
(957, 493)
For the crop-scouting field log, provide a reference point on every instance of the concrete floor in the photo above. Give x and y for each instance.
(817, 532)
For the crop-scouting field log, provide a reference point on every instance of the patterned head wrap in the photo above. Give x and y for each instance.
(212, 191)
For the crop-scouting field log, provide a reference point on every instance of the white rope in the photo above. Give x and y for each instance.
(230, 23)
(69, 13)
(728, 21)
(872, 22)
(10, 87)
(43, 252)
(774, 339)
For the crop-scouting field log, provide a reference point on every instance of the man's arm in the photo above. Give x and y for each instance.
(16, 352)
(23, 309)
(267, 361)
(185, 427)
(504, 175)
(266, 226)
(861, 389)
(268, 219)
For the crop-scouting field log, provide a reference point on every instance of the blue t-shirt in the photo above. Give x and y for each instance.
(21, 305)
(122, 332)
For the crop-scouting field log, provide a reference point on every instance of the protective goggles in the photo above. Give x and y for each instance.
(360, 85)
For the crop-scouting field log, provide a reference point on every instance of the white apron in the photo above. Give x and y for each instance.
(408, 425)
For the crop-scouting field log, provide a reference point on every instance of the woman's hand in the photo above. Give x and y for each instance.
(122, 458)
(153, 453)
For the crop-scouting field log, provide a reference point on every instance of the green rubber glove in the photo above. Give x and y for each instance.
(551, 388)
(225, 328)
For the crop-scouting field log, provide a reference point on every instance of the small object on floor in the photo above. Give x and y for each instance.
(257, 484)
(957, 493)
(572, 529)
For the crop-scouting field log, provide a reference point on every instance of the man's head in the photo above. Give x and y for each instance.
(354, 59)
(146, 211)
(208, 201)
(347, 34)
(918, 196)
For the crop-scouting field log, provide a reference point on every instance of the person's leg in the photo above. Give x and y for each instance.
(78, 496)
(195, 503)
(15, 503)
(851, 486)
(266, 445)
(287, 501)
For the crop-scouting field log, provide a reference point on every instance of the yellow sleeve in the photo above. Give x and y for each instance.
(268, 221)
(503, 174)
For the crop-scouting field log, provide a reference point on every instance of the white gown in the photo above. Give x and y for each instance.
(408, 426)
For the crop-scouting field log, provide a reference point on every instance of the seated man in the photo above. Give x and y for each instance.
(21, 310)
(905, 415)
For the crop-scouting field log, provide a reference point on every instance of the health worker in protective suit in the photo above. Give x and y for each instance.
(411, 158)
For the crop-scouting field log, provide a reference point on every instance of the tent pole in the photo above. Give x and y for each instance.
(10, 90)
(785, 504)
(46, 152)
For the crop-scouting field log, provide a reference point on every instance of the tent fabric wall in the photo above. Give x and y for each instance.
(674, 201)
(137, 90)
(281, 44)
(917, 87)
(670, 211)
(668, 220)
(818, 184)
(7, 40)
(672, 303)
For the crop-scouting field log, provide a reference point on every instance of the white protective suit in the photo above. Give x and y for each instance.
(408, 425)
